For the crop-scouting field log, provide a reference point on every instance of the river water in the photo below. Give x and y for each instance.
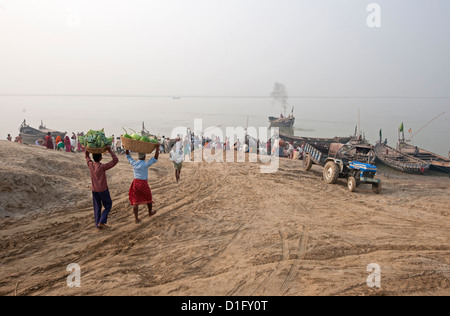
(315, 117)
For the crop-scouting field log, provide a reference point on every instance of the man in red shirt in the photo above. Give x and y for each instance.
(100, 191)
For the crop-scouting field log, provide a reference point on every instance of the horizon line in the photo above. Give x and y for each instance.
(175, 96)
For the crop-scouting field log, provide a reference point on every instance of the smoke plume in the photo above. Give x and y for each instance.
(280, 96)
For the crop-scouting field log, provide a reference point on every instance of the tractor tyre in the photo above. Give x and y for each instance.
(307, 163)
(376, 187)
(352, 184)
(331, 172)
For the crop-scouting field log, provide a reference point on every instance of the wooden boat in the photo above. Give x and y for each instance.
(314, 140)
(400, 161)
(30, 135)
(282, 121)
(436, 162)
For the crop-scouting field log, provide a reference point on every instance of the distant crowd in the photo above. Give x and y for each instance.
(275, 146)
(68, 143)
(190, 143)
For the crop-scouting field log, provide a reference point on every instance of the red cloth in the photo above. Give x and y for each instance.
(49, 141)
(140, 193)
(68, 144)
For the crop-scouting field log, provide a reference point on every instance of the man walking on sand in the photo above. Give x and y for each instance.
(100, 192)
(176, 156)
(140, 192)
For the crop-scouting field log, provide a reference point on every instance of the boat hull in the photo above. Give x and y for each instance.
(31, 135)
(281, 122)
(436, 162)
(31, 139)
(410, 170)
(400, 161)
(440, 168)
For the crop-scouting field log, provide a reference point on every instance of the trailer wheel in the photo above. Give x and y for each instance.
(376, 187)
(307, 163)
(352, 184)
(331, 172)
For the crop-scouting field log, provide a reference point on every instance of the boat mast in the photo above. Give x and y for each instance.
(359, 122)
(423, 127)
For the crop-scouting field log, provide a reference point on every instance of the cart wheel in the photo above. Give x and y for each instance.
(352, 184)
(376, 187)
(307, 163)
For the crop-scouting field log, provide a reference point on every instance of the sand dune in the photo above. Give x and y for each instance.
(225, 229)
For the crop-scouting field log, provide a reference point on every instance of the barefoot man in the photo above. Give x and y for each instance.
(140, 193)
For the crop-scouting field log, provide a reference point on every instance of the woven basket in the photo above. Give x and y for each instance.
(96, 150)
(138, 146)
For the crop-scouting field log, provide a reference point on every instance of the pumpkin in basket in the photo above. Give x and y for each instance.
(138, 146)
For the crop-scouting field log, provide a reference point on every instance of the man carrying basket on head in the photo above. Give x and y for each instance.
(100, 191)
(140, 193)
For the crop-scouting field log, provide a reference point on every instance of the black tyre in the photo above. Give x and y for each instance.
(376, 187)
(331, 172)
(307, 162)
(352, 184)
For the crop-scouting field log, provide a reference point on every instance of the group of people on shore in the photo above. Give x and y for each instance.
(192, 142)
(140, 192)
(18, 139)
(291, 152)
(61, 143)
(66, 143)
(189, 143)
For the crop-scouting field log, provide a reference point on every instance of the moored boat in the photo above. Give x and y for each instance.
(282, 122)
(436, 162)
(400, 161)
(30, 135)
(314, 140)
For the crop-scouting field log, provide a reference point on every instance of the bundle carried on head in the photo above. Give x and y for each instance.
(96, 142)
(139, 143)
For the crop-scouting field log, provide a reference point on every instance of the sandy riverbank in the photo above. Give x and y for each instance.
(225, 229)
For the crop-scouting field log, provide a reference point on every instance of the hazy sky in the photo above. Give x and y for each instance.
(224, 47)
(318, 48)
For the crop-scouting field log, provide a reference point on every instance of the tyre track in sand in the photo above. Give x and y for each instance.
(122, 236)
(228, 230)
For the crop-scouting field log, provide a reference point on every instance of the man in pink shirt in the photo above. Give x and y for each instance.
(100, 191)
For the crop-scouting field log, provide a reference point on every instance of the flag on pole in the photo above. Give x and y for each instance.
(410, 130)
(401, 128)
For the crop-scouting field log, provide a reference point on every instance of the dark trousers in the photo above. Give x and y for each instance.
(101, 199)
